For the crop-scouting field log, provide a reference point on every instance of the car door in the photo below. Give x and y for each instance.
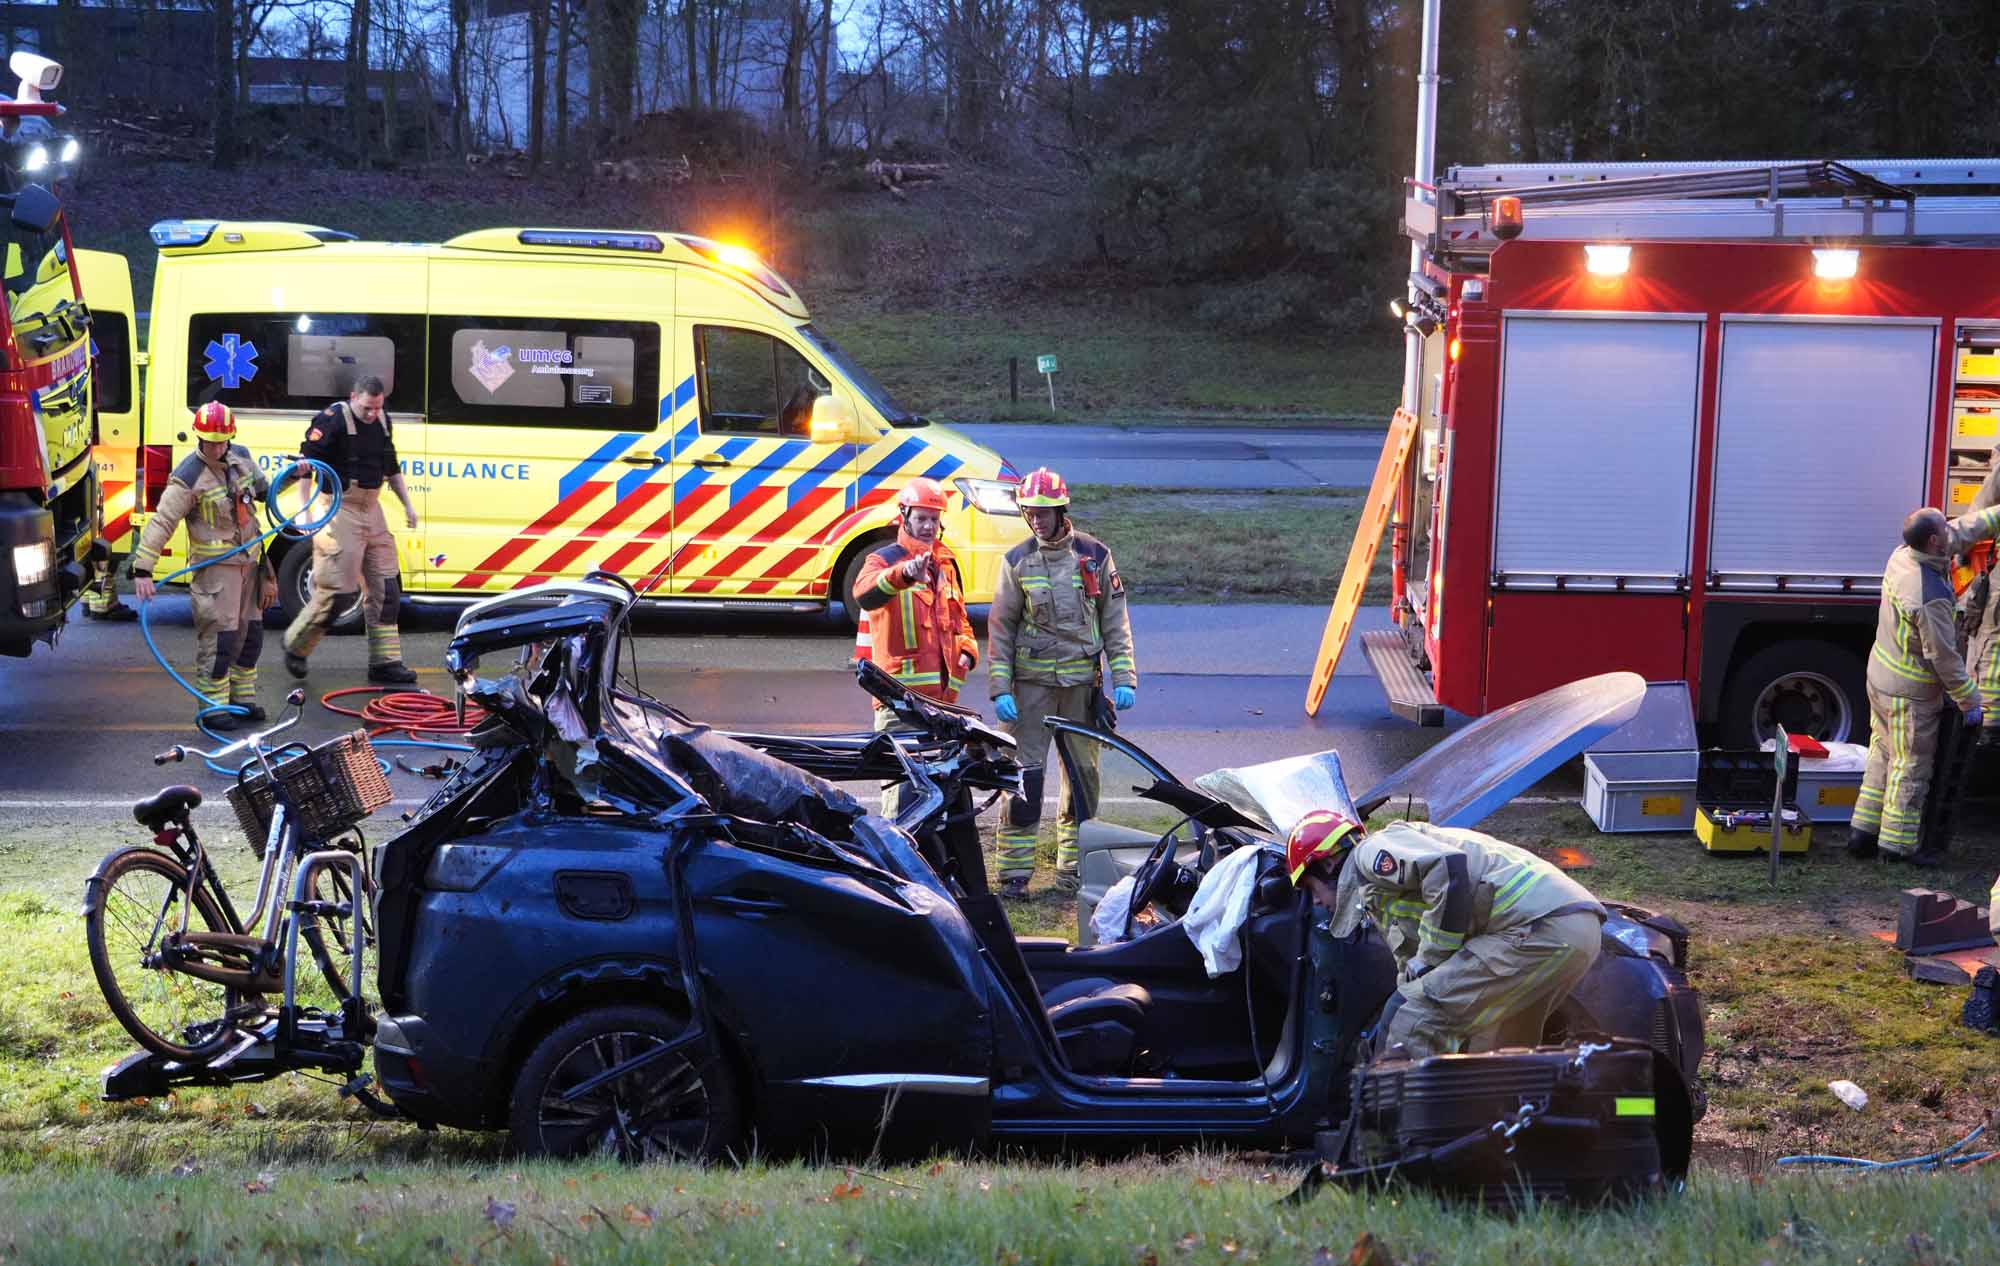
(1125, 818)
(754, 491)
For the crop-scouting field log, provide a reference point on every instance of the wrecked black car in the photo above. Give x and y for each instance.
(619, 930)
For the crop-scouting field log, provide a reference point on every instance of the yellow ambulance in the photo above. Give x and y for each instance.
(655, 404)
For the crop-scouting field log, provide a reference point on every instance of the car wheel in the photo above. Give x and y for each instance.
(670, 1108)
(850, 571)
(295, 590)
(1809, 686)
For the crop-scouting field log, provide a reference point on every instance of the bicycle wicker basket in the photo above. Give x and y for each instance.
(330, 788)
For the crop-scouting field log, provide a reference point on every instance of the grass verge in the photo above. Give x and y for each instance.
(1195, 545)
(1192, 1209)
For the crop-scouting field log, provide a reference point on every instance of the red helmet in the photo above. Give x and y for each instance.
(214, 421)
(921, 494)
(1321, 833)
(1042, 487)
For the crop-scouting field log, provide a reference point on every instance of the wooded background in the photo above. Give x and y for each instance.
(1254, 149)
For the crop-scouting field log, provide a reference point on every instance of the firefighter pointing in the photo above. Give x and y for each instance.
(1058, 608)
(913, 622)
(215, 491)
(1489, 938)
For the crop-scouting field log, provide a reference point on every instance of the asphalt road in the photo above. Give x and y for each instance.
(1220, 686)
(1189, 457)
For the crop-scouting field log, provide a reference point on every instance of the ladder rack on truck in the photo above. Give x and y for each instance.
(1850, 202)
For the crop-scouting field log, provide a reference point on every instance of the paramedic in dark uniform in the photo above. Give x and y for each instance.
(355, 551)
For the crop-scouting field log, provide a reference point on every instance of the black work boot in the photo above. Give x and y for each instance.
(253, 711)
(1014, 888)
(222, 722)
(1862, 845)
(1924, 858)
(392, 672)
(116, 613)
(296, 665)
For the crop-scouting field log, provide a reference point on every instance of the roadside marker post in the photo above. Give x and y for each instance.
(1781, 754)
(1046, 367)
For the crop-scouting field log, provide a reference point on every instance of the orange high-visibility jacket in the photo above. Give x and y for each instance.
(915, 632)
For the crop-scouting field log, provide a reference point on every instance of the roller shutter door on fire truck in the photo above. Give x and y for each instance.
(1597, 451)
(1823, 437)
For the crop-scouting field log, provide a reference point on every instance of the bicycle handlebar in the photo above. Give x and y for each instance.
(295, 701)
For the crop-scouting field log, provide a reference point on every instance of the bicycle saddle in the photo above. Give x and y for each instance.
(171, 804)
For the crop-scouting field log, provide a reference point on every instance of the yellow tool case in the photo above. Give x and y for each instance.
(1733, 794)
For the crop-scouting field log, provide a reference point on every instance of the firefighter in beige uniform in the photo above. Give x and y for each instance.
(1914, 664)
(356, 550)
(1489, 939)
(1058, 605)
(215, 491)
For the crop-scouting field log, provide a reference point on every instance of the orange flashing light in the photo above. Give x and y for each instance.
(1453, 349)
(1507, 223)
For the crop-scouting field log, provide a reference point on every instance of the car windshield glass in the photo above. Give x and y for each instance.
(863, 381)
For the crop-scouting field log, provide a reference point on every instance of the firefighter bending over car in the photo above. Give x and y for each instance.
(913, 624)
(1058, 608)
(1914, 664)
(355, 551)
(215, 491)
(1489, 939)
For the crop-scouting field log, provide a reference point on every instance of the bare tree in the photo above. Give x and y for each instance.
(225, 89)
(538, 81)
(359, 31)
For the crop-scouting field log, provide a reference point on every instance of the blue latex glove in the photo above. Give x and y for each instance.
(1005, 709)
(1124, 697)
(1975, 716)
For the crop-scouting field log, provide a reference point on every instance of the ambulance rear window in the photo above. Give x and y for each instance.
(544, 372)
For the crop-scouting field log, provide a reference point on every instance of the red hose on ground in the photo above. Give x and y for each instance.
(417, 713)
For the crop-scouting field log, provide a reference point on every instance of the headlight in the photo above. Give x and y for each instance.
(992, 496)
(33, 563)
(71, 148)
(38, 158)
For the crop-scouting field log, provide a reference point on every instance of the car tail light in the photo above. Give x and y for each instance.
(157, 462)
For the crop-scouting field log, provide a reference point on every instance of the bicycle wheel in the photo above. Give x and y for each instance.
(331, 938)
(144, 893)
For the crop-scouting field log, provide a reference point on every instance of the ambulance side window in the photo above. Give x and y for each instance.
(542, 371)
(303, 361)
(753, 384)
(114, 361)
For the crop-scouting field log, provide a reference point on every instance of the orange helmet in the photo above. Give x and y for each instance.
(1321, 833)
(1042, 487)
(214, 421)
(921, 494)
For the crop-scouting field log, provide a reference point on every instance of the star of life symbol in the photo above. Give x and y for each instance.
(492, 367)
(230, 361)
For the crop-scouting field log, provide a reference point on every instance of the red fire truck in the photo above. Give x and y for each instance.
(1669, 418)
(49, 511)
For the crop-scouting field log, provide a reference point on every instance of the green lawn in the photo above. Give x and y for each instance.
(1190, 545)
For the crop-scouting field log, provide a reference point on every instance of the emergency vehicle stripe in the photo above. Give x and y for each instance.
(818, 475)
(784, 569)
(682, 395)
(628, 553)
(552, 565)
(943, 469)
(721, 525)
(769, 467)
(606, 452)
(555, 518)
(887, 466)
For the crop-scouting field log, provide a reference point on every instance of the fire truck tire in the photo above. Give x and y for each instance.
(1808, 685)
(295, 590)
(849, 571)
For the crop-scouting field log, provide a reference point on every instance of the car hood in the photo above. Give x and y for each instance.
(1461, 780)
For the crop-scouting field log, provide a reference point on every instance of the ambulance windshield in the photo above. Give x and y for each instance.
(863, 381)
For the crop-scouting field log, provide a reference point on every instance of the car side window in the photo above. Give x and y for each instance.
(753, 384)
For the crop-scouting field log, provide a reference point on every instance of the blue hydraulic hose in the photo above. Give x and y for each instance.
(295, 525)
(1929, 1160)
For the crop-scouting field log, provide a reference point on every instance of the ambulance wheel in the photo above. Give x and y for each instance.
(850, 571)
(1807, 685)
(295, 591)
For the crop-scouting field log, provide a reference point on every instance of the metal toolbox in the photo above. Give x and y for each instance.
(1640, 791)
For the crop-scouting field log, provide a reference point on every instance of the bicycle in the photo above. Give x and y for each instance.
(182, 971)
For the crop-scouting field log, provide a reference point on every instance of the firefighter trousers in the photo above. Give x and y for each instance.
(353, 552)
(1983, 661)
(1901, 751)
(228, 630)
(1499, 989)
(892, 792)
(1021, 818)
